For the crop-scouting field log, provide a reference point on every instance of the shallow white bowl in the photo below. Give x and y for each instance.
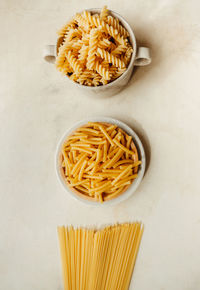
(134, 185)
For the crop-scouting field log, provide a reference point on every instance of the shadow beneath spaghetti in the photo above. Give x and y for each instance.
(141, 134)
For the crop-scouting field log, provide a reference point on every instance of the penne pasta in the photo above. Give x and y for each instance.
(99, 160)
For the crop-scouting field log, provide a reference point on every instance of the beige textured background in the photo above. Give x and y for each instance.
(162, 102)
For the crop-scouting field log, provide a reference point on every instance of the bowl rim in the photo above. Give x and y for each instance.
(131, 188)
(133, 43)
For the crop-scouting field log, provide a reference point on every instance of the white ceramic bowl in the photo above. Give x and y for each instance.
(140, 57)
(134, 185)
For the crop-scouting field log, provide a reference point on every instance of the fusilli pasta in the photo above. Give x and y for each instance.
(114, 22)
(109, 57)
(83, 53)
(94, 33)
(97, 22)
(74, 63)
(104, 13)
(62, 31)
(94, 48)
(119, 49)
(82, 22)
(104, 43)
(102, 71)
(127, 55)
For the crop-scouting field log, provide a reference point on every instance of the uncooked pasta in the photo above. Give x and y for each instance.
(99, 259)
(94, 43)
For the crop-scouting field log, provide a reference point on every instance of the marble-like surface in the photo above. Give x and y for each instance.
(161, 102)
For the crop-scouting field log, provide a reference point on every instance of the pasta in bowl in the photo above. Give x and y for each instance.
(94, 48)
(100, 160)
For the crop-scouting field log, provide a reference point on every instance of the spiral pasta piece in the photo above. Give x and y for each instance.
(77, 45)
(73, 62)
(62, 31)
(119, 49)
(104, 82)
(73, 77)
(118, 73)
(128, 55)
(114, 33)
(61, 57)
(94, 33)
(81, 21)
(102, 71)
(114, 22)
(71, 34)
(104, 43)
(87, 74)
(66, 68)
(83, 53)
(86, 38)
(110, 58)
(60, 60)
(97, 22)
(97, 80)
(104, 13)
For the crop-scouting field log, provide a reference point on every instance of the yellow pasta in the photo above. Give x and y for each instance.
(127, 55)
(104, 13)
(81, 21)
(114, 22)
(83, 53)
(123, 147)
(94, 33)
(73, 62)
(98, 159)
(62, 31)
(104, 43)
(120, 49)
(73, 33)
(94, 49)
(109, 57)
(101, 259)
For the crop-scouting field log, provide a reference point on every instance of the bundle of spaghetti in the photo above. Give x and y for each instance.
(99, 259)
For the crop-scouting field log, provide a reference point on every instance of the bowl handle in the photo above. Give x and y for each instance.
(143, 56)
(49, 53)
